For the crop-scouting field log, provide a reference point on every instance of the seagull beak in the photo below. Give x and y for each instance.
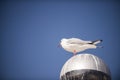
(59, 45)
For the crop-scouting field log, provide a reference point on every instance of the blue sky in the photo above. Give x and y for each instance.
(31, 31)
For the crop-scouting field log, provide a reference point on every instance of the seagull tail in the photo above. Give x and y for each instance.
(97, 41)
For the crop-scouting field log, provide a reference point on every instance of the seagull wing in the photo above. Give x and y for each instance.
(77, 41)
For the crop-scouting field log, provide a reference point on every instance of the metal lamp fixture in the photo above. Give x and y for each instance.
(85, 67)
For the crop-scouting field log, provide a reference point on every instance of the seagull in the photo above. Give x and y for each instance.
(75, 45)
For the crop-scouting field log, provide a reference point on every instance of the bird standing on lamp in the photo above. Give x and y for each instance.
(76, 45)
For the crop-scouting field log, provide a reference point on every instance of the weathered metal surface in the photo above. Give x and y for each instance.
(85, 74)
(85, 61)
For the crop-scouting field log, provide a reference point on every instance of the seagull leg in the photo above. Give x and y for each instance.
(74, 52)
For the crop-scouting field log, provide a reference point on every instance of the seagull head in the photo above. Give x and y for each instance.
(63, 41)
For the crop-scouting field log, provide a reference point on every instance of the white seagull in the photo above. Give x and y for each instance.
(76, 45)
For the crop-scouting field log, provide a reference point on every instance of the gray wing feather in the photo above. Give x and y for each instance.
(77, 41)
